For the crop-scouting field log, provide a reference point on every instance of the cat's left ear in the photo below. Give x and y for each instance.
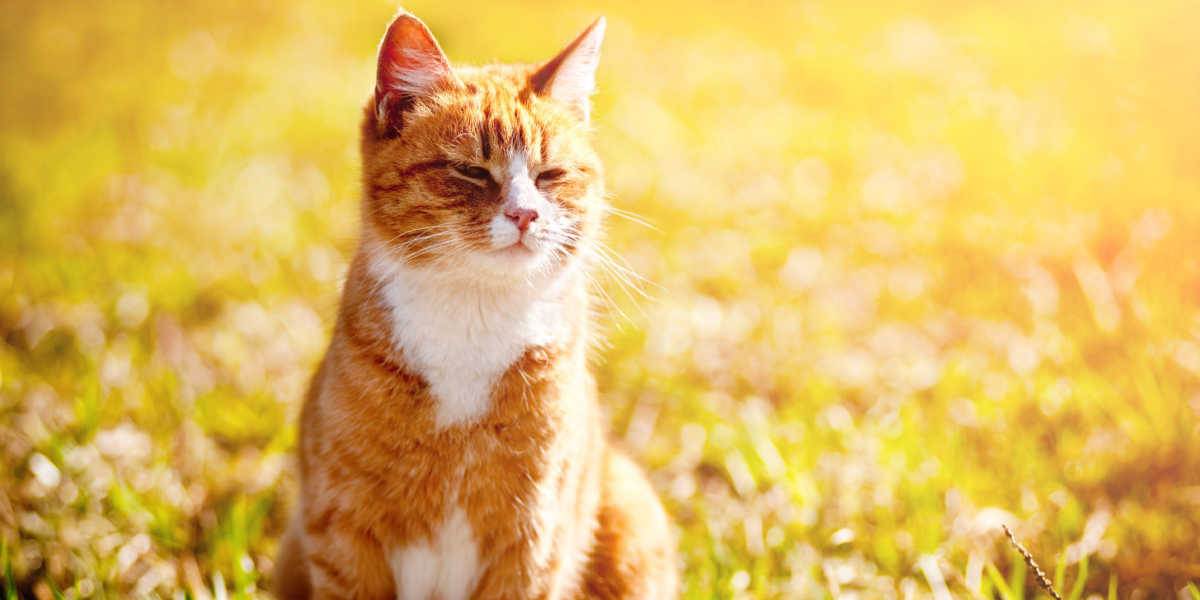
(570, 77)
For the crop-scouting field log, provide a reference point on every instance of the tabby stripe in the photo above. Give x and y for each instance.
(518, 129)
(320, 523)
(498, 131)
(324, 591)
(421, 167)
(330, 570)
(485, 143)
(407, 173)
(545, 145)
(362, 345)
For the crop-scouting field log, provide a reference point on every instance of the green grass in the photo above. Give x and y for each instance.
(919, 270)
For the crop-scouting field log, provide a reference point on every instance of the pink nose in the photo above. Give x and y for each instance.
(521, 217)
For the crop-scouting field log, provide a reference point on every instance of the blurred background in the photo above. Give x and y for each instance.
(914, 270)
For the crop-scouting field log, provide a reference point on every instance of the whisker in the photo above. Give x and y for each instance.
(435, 226)
(631, 217)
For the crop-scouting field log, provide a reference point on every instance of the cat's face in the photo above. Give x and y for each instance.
(483, 172)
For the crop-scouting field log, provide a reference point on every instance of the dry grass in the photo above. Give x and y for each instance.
(920, 270)
(1038, 574)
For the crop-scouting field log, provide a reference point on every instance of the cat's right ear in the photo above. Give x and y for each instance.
(411, 65)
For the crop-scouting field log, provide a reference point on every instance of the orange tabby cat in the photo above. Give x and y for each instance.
(451, 445)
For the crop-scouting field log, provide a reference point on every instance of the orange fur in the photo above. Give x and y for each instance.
(552, 511)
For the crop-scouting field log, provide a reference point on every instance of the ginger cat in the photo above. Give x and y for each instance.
(451, 445)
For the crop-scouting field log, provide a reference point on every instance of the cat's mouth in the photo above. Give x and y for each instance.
(517, 248)
(521, 250)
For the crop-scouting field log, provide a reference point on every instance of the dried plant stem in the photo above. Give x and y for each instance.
(1037, 571)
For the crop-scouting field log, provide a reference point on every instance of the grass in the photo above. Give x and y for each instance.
(921, 270)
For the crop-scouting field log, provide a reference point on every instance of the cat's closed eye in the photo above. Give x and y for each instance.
(550, 175)
(474, 172)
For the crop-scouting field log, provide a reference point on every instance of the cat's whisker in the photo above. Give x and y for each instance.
(630, 216)
(435, 228)
(446, 246)
(610, 302)
(629, 276)
(629, 281)
(624, 264)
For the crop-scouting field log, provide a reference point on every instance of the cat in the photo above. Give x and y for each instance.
(451, 445)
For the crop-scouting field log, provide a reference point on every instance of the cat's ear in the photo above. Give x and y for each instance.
(570, 77)
(411, 65)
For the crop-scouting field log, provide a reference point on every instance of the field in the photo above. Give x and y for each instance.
(912, 271)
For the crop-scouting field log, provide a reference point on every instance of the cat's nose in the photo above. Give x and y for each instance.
(521, 216)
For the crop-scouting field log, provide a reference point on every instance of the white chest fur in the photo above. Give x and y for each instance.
(445, 567)
(461, 337)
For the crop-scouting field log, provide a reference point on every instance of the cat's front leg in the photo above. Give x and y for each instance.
(344, 563)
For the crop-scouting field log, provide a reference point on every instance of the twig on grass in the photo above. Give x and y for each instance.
(1037, 571)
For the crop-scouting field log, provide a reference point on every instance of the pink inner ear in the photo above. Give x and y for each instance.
(410, 65)
(570, 76)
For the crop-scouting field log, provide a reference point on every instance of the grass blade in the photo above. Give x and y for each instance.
(1080, 580)
(1060, 572)
(998, 580)
(10, 583)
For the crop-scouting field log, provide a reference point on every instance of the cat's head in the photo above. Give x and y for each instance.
(485, 172)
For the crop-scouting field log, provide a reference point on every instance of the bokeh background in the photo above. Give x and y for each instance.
(913, 270)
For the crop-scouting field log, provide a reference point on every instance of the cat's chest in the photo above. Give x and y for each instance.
(462, 344)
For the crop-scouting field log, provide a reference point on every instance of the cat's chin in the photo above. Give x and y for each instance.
(516, 263)
(517, 252)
